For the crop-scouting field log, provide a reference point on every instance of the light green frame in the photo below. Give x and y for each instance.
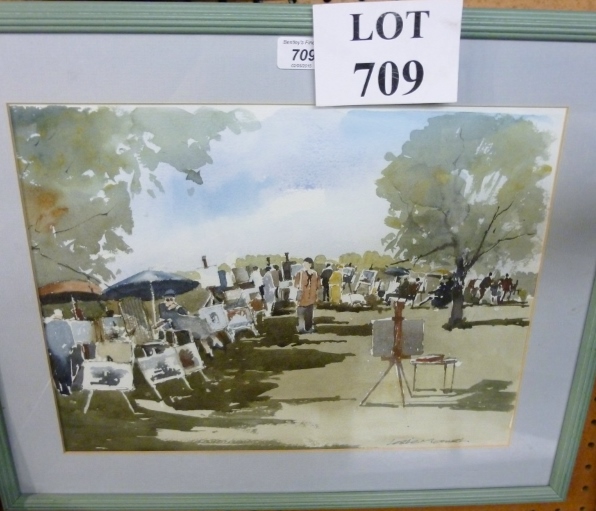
(220, 18)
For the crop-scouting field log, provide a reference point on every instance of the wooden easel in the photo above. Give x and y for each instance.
(396, 356)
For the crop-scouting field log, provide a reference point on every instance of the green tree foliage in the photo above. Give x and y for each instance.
(466, 188)
(81, 166)
(369, 259)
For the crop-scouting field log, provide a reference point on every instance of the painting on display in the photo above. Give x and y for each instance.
(257, 277)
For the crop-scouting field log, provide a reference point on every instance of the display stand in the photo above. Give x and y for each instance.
(395, 360)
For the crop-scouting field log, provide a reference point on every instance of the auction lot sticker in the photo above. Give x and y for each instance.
(295, 53)
(394, 53)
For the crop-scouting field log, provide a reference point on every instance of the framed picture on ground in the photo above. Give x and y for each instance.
(243, 301)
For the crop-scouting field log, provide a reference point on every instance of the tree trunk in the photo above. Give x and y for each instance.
(457, 294)
(457, 309)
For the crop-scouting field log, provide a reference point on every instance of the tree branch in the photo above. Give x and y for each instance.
(433, 251)
(478, 253)
(508, 238)
(86, 275)
(83, 222)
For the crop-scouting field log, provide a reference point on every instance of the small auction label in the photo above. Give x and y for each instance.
(295, 53)
(395, 52)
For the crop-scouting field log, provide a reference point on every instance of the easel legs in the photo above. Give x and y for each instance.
(401, 375)
(377, 384)
(401, 378)
(88, 402)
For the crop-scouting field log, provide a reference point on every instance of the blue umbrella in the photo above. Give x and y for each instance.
(396, 271)
(149, 285)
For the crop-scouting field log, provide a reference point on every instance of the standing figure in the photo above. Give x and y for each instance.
(325, 276)
(269, 290)
(380, 288)
(484, 285)
(307, 283)
(506, 285)
(335, 284)
(495, 292)
(277, 276)
(257, 280)
(470, 292)
(413, 290)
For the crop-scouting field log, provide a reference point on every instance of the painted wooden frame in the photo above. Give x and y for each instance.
(148, 19)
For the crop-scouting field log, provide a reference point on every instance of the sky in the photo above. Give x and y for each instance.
(304, 183)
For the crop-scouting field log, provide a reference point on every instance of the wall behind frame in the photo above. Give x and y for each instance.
(582, 491)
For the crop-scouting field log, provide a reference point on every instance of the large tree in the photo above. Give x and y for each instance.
(465, 188)
(80, 167)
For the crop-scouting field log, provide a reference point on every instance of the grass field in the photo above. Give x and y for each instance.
(282, 390)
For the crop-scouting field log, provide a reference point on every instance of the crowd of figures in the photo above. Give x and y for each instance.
(437, 290)
(173, 342)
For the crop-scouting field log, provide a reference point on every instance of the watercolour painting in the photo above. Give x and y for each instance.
(252, 277)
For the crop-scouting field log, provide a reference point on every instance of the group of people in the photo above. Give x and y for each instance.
(401, 288)
(443, 295)
(267, 284)
(308, 287)
(489, 288)
(306, 282)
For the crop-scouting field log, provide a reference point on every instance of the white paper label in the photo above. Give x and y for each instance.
(387, 52)
(295, 53)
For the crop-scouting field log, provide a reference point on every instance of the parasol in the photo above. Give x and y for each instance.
(149, 285)
(396, 271)
(69, 291)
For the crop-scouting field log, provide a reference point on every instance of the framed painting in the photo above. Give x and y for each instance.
(242, 301)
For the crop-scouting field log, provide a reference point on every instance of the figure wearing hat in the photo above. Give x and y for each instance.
(307, 283)
(169, 308)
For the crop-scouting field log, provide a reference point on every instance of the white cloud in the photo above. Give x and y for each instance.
(302, 222)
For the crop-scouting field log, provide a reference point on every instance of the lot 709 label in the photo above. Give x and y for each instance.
(295, 53)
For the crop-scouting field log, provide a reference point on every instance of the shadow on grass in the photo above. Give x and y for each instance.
(370, 305)
(484, 396)
(501, 322)
(345, 330)
(281, 331)
(110, 425)
(324, 320)
(507, 303)
(240, 376)
(465, 324)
